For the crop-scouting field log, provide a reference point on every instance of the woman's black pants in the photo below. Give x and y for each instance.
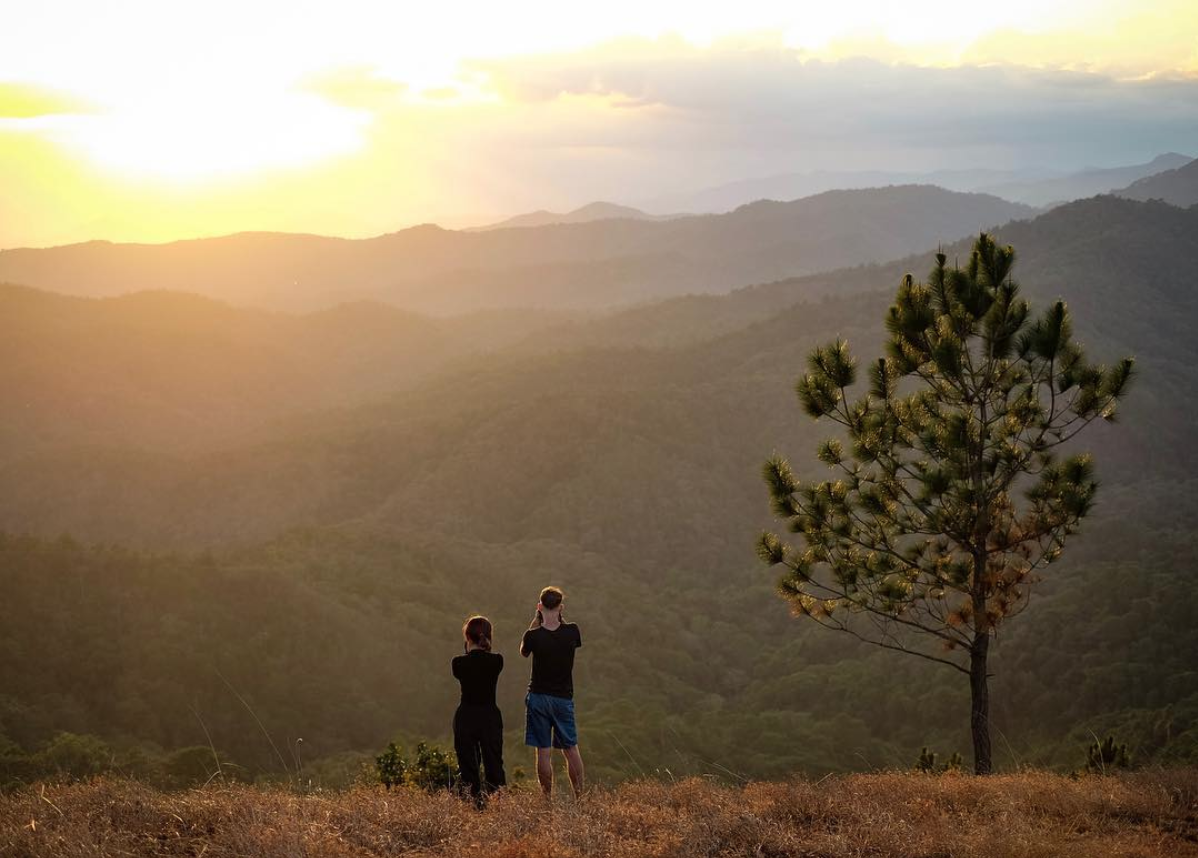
(478, 738)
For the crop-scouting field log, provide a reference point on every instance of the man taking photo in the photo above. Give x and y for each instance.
(549, 706)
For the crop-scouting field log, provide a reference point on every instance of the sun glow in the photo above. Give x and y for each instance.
(196, 141)
(127, 104)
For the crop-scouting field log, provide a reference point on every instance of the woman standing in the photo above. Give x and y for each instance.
(478, 723)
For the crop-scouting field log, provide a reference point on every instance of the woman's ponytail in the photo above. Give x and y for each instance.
(478, 631)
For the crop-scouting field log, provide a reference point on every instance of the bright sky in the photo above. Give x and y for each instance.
(157, 119)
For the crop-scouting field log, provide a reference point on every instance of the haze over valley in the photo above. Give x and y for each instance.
(365, 452)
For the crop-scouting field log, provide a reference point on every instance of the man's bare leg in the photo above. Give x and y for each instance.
(574, 768)
(545, 770)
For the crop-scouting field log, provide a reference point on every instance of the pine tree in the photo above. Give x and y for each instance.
(950, 497)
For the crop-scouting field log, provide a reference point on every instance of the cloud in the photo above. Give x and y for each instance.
(627, 120)
(777, 98)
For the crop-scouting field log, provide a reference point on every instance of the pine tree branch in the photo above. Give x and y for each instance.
(842, 594)
(841, 627)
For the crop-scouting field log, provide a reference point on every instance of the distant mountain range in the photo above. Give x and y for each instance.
(1178, 187)
(1036, 187)
(595, 264)
(790, 186)
(165, 363)
(1086, 183)
(585, 214)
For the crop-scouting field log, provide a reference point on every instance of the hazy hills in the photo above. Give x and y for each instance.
(735, 356)
(1085, 183)
(177, 371)
(787, 186)
(618, 456)
(1030, 186)
(562, 266)
(1178, 186)
(585, 214)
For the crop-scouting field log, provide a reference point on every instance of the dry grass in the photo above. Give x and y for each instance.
(1028, 814)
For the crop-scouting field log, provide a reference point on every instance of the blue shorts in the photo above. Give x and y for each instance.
(549, 721)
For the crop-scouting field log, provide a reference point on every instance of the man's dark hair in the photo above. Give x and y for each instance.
(551, 597)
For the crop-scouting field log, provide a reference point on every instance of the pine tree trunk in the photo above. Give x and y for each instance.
(979, 693)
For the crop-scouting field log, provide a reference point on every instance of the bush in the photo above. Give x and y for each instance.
(433, 768)
(70, 755)
(927, 763)
(1107, 756)
(194, 766)
(391, 766)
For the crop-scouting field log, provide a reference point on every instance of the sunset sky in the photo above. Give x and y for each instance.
(151, 120)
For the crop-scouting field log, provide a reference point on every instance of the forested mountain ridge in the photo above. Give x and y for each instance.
(560, 266)
(1084, 183)
(626, 469)
(506, 408)
(182, 372)
(173, 371)
(1178, 186)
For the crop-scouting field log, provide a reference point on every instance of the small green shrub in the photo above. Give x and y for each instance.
(73, 755)
(391, 766)
(432, 769)
(1105, 756)
(927, 763)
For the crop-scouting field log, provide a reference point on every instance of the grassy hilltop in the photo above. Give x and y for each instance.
(892, 814)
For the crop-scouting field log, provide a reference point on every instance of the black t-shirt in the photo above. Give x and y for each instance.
(552, 658)
(478, 672)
